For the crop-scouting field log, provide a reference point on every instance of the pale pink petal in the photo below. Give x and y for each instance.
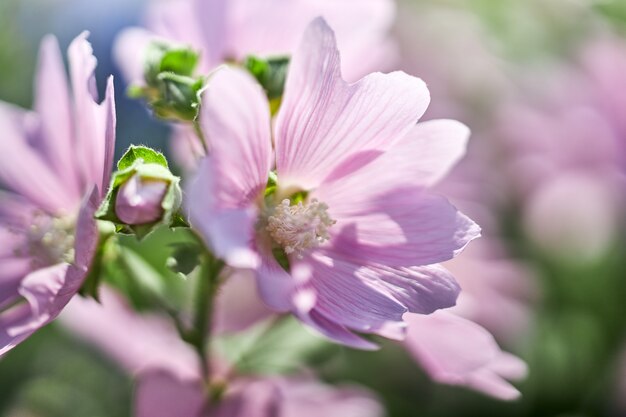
(8, 320)
(52, 104)
(129, 53)
(324, 124)
(160, 394)
(139, 201)
(94, 123)
(422, 289)
(276, 287)
(344, 297)
(23, 169)
(235, 118)
(274, 27)
(12, 271)
(40, 288)
(213, 29)
(334, 331)
(309, 398)
(456, 351)
(87, 234)
(402, 227)
(139, 342)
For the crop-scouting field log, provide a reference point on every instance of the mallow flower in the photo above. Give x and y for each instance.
(227, 30)
(55, 165)
(335, 219)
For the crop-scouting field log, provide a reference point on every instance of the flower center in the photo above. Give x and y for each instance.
(300, 226)
(49, 240)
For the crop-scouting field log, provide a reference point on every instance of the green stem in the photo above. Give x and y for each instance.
(200, 135)
(208, 285)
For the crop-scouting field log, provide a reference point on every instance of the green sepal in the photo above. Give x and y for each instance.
(271, 73)
(282, 258)
(185, 257)
(91, 285)
(148, 164)
(147, 155)
(171, 89)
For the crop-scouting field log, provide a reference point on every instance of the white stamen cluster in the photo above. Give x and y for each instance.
(50, 240)
(299, 227)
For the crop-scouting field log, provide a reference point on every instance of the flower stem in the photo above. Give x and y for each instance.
(208, 285)
(200, 134)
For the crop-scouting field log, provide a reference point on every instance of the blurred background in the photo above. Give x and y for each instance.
(542, 85)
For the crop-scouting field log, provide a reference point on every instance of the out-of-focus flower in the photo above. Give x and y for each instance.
(138, 342)
(168, 369)
(161, 395)
(566, 153)
(457, 351)
(344, 233)
(226, 30)
(51, 160)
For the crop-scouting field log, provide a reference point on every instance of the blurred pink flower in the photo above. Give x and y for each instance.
(170, 385)
(567, 155)
(50, 161)
(224, 30)
(362, 241)
(160, 394)
(457, 351)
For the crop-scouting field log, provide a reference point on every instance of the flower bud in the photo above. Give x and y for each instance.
(139, 201)
(143, 195)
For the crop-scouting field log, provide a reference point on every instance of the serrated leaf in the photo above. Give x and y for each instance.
(148, 155)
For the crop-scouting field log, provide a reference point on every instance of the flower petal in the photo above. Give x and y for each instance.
(94, 123)
(403, 227)
(477, 362)
(334, 331)
(324, 123)
(52, 104)
(343, 296)
(160, 394)
(235, 116)
(422, 289)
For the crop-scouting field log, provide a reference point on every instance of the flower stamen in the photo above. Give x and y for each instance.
(299, 227)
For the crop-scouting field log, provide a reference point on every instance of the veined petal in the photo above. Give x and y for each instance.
(334, 331)
(422, 289)
(235, 118)
(345, 297)
(94, 123)
(403, 227)
(420, 159)
(477, 362)
(22, 168)
(52, 104)
(213, 30)
(325, 125)
(12, 270)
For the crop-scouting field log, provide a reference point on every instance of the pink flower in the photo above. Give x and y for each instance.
(363, 238)
(457, 351)
(168, 369)
(223, 30)
(159, 394)
(51, 160)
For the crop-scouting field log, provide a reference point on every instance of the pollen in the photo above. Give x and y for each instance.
(299, 227)
(49, 240)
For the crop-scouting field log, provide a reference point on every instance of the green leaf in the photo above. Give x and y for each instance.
(277, 346)
(147, 155)
(271, 73)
